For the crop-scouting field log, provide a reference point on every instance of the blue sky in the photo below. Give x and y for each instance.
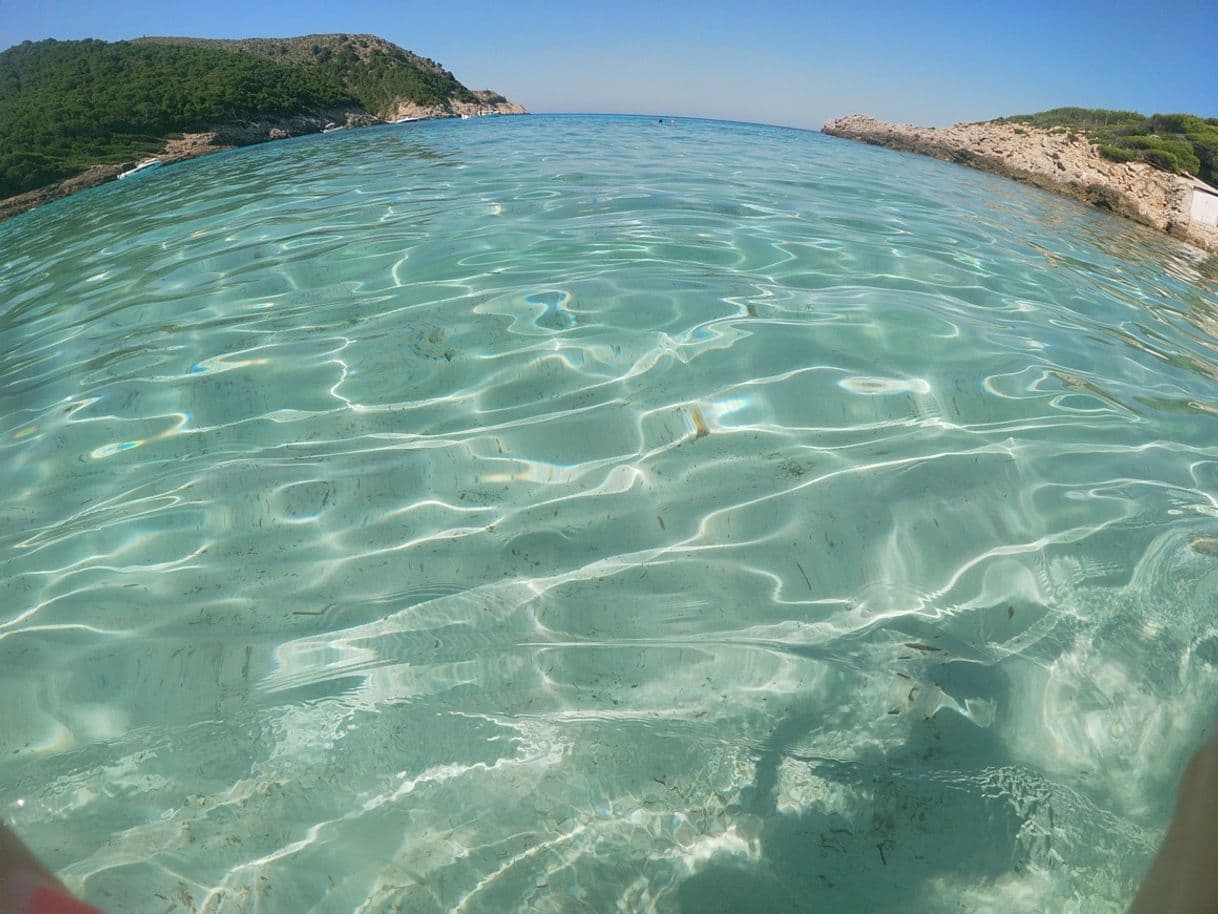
(782, 63)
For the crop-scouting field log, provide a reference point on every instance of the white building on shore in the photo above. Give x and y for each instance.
(1204, 205)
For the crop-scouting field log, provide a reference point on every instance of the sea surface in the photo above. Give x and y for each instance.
(589, 514)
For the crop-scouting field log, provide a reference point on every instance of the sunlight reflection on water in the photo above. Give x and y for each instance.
(554, 513)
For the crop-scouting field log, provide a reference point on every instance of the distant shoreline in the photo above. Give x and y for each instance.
(1057, 161)
(1052, 160)
(83, 112)
(232, 136)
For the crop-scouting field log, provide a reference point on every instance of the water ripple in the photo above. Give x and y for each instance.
(510, 515)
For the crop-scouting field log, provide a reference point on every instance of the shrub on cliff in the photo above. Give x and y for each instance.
(1200, 133)
(1162, 160)
(1116, 153)
(1168, 154)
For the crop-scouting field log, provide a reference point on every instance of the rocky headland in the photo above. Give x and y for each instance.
(1060, 161)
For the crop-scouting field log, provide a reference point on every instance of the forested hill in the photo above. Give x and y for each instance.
(67, 105)
(375, 71)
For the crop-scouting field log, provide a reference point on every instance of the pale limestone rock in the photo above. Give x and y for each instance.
(1050, 160)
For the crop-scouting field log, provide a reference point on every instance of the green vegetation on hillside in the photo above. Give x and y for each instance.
(1182, 143)
(381, 78)
(66, 105)
(373, 70)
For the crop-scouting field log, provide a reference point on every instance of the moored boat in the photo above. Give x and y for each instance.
(146, 165)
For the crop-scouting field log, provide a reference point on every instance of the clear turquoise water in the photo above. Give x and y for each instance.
(588, 514)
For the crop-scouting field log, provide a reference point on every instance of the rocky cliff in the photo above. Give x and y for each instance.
(484, 102)
(1060, 161)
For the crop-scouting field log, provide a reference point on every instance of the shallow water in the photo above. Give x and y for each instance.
(589, 514)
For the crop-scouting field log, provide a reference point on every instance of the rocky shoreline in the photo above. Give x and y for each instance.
(230, 136)
(1056, 160)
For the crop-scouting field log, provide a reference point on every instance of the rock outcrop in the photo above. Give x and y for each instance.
(1057, 160)
(97, 174)
(485, 102)
(228, 136)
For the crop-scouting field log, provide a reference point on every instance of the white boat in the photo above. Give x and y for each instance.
(146, 165)
(334, 127)
(404, 120)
